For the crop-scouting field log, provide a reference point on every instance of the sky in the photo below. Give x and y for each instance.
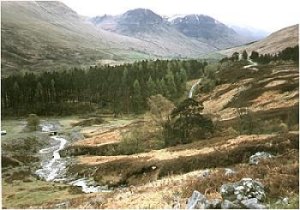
(268, 15)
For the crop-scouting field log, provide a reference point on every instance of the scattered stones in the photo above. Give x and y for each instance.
(254, 159)
(283, 201)
(63, 205)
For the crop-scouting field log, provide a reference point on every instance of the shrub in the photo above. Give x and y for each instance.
(33, 121)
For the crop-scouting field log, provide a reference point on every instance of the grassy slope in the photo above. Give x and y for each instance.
(48, 35)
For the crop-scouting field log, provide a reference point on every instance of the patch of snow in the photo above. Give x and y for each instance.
(217, 22)
(172, 18)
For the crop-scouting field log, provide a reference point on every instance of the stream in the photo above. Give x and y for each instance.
(53, 167)
(193, 88)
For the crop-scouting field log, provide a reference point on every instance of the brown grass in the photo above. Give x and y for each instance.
(137, 169)
(280, 176)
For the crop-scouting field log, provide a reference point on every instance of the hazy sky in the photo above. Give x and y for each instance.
(269, 15)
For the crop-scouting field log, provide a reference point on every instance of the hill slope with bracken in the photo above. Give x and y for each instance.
(269, 98)
(277, 41)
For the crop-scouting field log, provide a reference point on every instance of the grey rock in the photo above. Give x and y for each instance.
(226, 204)
(254, 159)
(283, 201)
(63, 205)
(252, 204)
(229, 172)
(196, 201)
(205, 173)
(213, 204)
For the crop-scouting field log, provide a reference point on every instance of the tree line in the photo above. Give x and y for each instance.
(113, 89)
(289, 53)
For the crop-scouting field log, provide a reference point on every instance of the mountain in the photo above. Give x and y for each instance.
(209, 30)
(48, 35)
(275, 42)
(150, 27)
(144, 23)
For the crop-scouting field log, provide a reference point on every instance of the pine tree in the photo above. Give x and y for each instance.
(183, 78)
(245, 55)
(125, 90)
(151, 87)
(16, 94)
(137, 97)
(171, 84)
(254, 55)
(164, 88)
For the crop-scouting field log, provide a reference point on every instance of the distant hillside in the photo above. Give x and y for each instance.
(49, 35)
(277, 41)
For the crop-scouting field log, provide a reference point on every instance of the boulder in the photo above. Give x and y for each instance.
(196, 201)
(226, 204)
(252, 203)
(254, 159)
(213, 204)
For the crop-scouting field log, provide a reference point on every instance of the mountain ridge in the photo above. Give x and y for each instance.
(202, 28)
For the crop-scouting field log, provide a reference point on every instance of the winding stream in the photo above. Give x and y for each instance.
(53, 167)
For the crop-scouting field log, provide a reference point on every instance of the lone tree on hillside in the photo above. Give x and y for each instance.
(187, 123)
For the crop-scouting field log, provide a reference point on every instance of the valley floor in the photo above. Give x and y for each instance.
(167, 178)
